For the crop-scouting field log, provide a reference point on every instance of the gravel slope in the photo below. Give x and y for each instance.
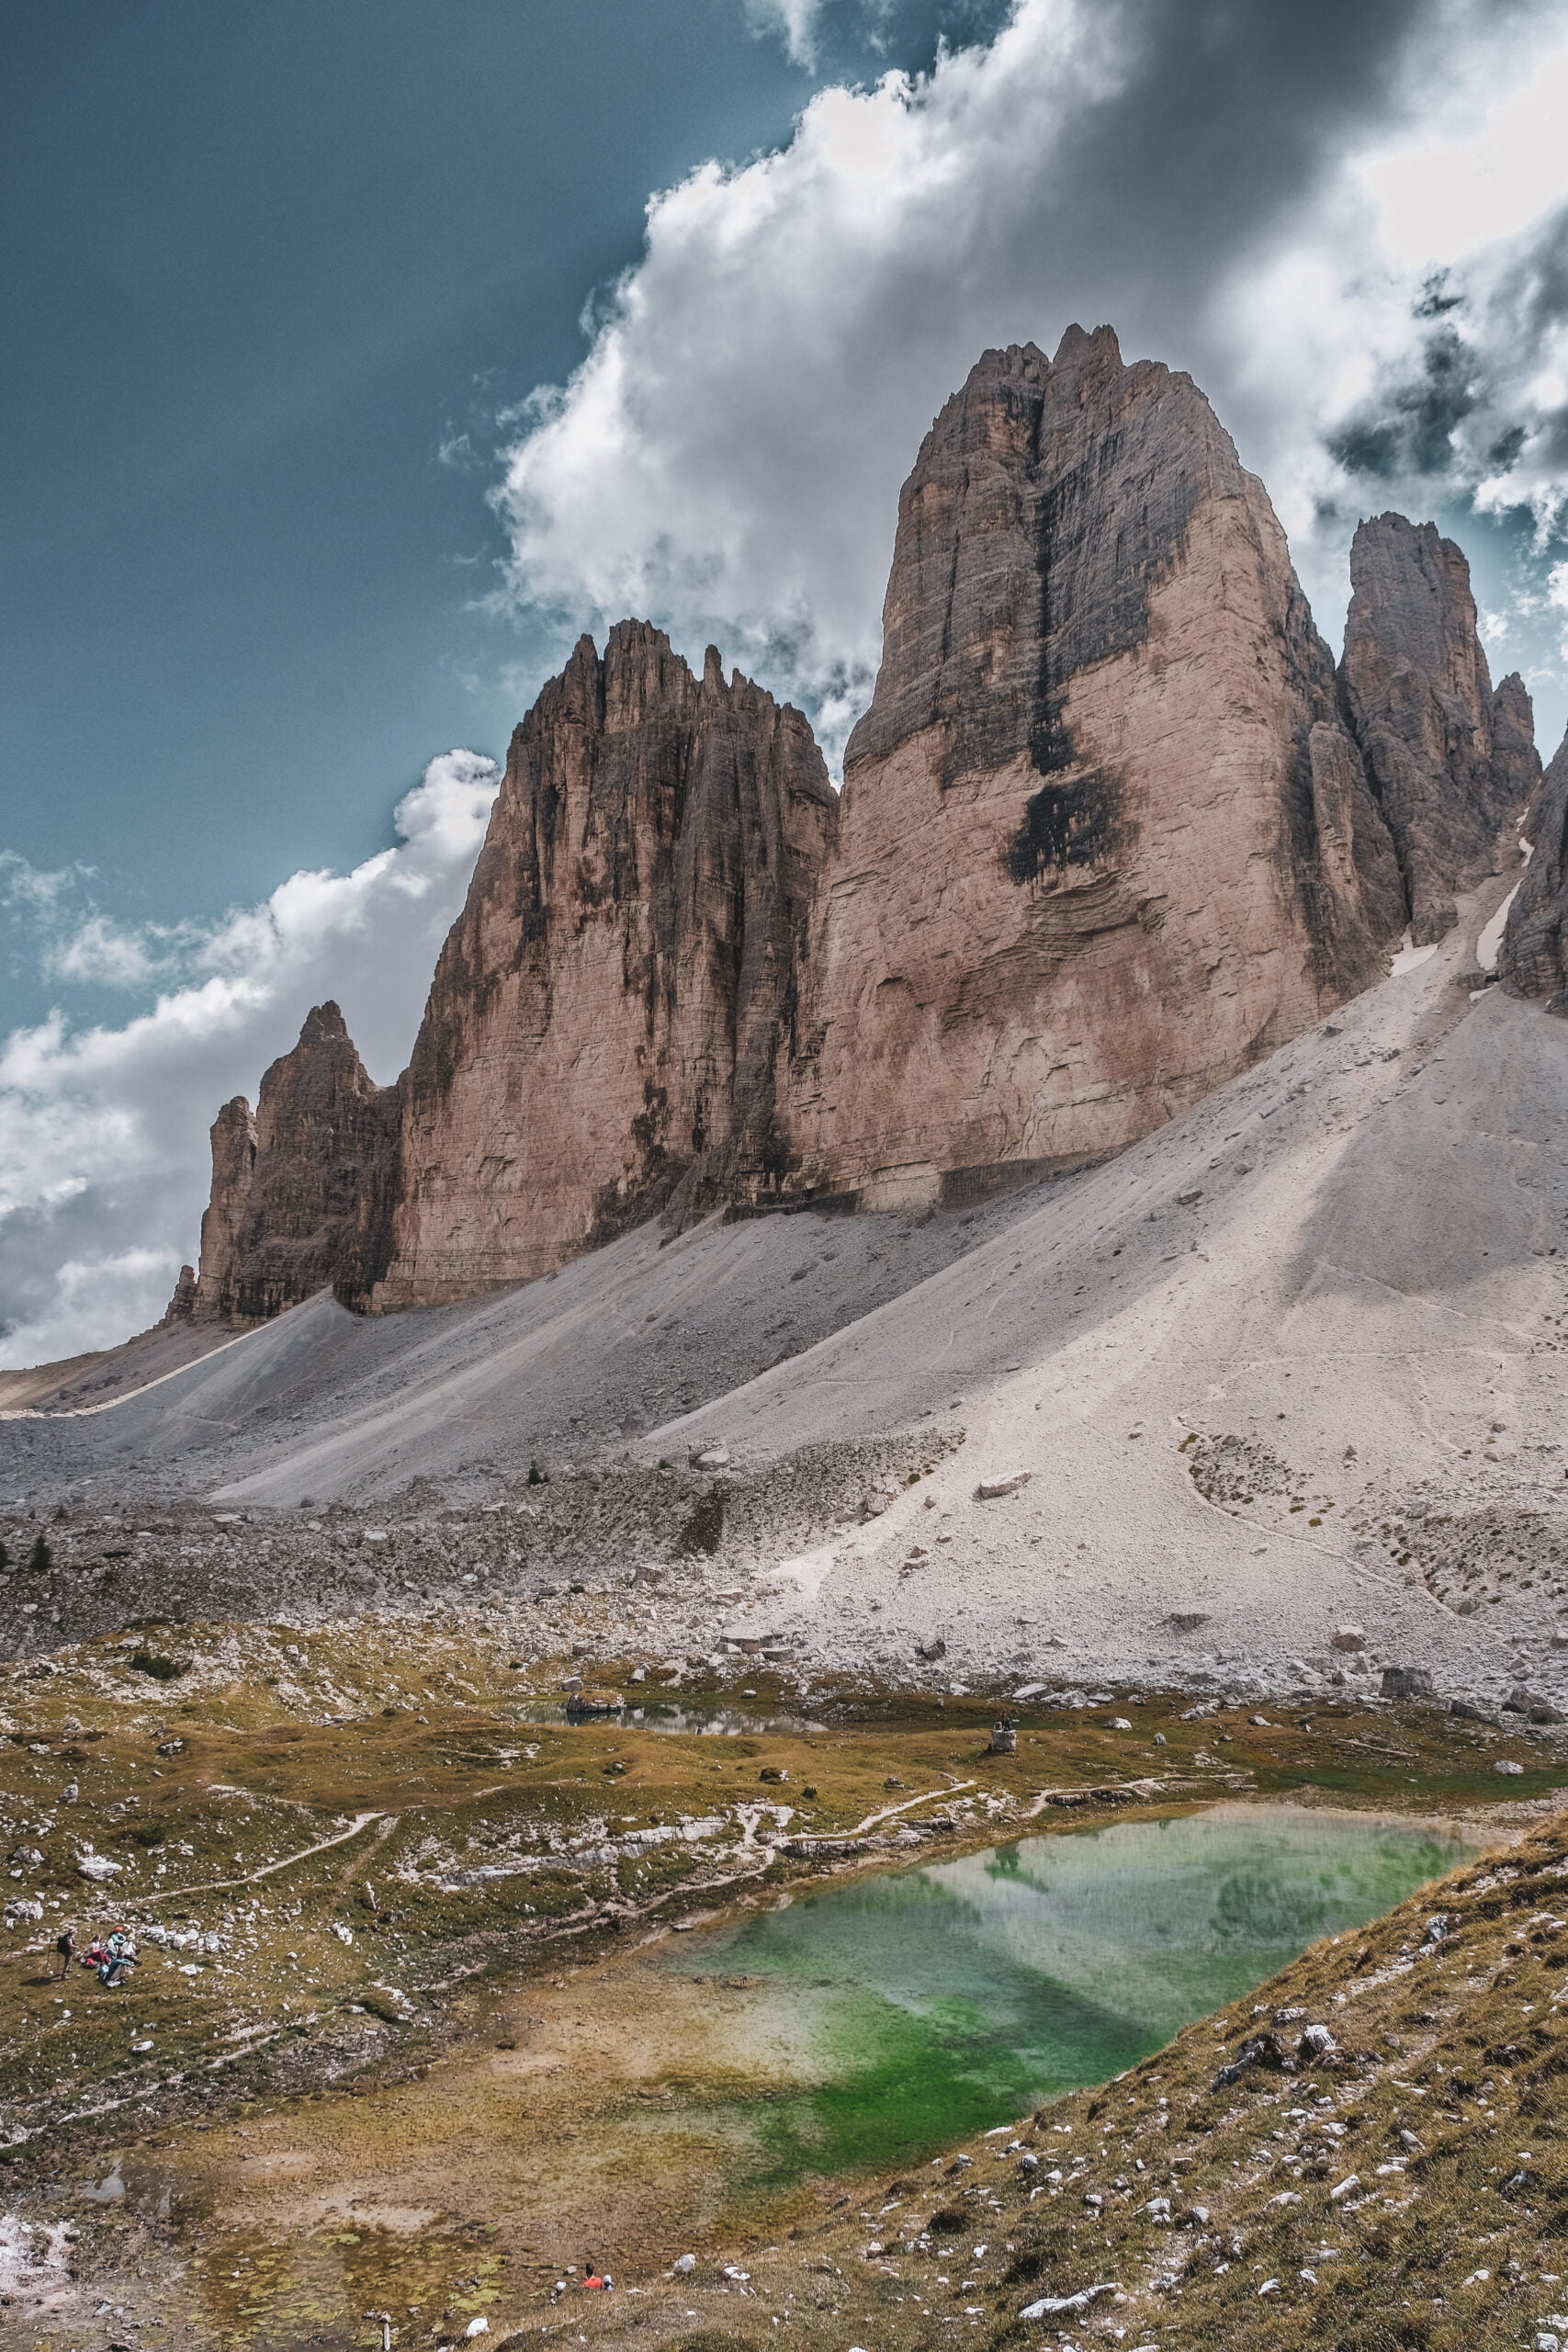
(1290, 1367)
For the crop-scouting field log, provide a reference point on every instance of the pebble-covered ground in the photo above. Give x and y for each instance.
(340, 1846)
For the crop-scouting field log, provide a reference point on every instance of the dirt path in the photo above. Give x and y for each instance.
(222, 1885)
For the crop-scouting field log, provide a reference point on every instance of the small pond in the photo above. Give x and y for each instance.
(933, 2002)
(706, 2081)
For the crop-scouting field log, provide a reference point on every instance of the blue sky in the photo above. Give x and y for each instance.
(359, 354)
(261, 265)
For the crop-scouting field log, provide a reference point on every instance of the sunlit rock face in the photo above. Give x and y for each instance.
(1450, 759)
(612, 1010)
(1105, 836)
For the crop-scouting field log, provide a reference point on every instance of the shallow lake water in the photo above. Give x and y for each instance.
(707, 2080)
(931, 2002)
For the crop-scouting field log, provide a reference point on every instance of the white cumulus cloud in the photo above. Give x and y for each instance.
(103, 1129)
(1240, 189)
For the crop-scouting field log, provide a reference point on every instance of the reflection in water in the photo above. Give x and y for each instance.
(724, 1720)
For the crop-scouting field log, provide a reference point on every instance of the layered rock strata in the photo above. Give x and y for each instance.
(611, 1012)
(1533, 958)
(1450, 759)
(1105, 837)
(301, 1192)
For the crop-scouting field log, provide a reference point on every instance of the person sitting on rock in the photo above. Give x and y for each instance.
(119, 1960)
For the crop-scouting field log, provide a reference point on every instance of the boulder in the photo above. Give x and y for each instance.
(1407, 1683)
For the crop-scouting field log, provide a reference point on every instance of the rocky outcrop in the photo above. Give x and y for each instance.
(1533, 958)
(613, 1007)
(302, 1193)
(182, 1305)
(1449, 760)
(1105, 838)
(233, 1140)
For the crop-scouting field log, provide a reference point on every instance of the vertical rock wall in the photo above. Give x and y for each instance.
(301, 1194)
(1105, 838)
(1533, 960)
(612, 1009)
(1449, 759)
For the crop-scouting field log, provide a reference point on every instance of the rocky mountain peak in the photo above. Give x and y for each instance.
(1104, 765)
(1113, 828)
(1449, 759)
(301, 1190)
(612, 1009)
(1533, 960)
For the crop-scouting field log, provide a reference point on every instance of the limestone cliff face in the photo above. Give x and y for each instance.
(612, 1011)
(233, 1140)
(1449, 759)
(1533, 960)
(302, 1193)
(1104, 837)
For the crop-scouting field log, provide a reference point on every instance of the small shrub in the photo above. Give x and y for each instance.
(41, 1559)
(153, 1662)
(148, 1834)
(703, 1530)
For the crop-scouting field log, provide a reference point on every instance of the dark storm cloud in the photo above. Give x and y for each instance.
(1469, 403)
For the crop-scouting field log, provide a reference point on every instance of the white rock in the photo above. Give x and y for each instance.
(1506, 1764)
(990, 1490)
(1048, 2304)
(98, 1867)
